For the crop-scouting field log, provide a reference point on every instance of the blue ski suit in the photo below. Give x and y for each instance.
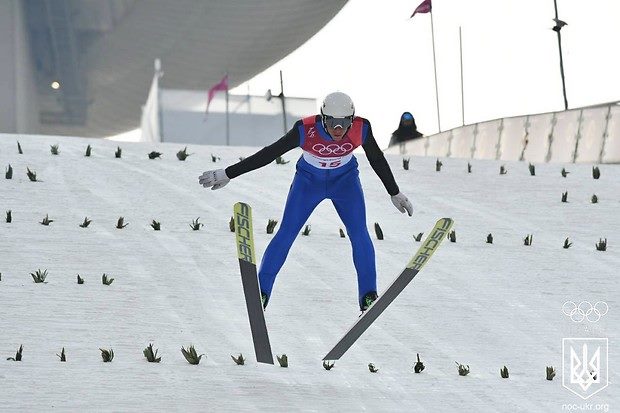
(326, 170)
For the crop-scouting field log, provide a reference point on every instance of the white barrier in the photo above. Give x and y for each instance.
(589, 134)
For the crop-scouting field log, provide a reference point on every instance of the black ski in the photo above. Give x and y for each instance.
(251, 287)
(429, 246)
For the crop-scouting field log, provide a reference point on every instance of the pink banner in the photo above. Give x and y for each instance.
(222, 86)
(424, 7)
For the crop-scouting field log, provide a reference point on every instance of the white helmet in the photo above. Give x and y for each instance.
(337, 105)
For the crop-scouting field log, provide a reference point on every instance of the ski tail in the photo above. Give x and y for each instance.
(421, 257)
(249, 279)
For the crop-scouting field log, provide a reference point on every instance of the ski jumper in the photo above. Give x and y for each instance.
(327, 169)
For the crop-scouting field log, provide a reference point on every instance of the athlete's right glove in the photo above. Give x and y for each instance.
(401, 202)
(216, 179)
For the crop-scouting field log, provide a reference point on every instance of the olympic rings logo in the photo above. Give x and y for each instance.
(585, 311)
(332, 149)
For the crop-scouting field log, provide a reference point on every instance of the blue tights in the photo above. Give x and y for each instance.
(311, 186)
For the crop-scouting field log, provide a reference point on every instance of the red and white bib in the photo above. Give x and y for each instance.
(326, 153)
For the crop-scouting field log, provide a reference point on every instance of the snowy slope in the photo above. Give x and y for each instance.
(479, 304)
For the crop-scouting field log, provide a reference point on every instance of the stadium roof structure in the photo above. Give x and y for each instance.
(101, 53)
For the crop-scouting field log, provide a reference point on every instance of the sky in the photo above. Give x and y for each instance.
(384, 60)
(479, 304)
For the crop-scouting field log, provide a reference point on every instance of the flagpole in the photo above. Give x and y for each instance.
(227, 119)
(555, 5)
(462, 93)
(435, 68)
(282, 98)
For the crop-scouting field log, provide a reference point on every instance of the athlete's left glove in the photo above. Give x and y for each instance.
(216, 179)
(401, 202)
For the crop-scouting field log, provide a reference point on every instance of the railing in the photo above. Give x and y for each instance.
(589, 134)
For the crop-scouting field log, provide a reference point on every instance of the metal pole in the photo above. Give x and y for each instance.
(227, 119)
(462, 93)
(283, 103)
(435, 67)
(555, 5)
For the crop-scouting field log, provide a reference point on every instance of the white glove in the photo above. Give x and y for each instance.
(216, 179)
(401, 202)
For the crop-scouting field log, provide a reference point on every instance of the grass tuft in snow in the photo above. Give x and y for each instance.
(9, 172)
(107, 355)
(306, 231)
(282, 360)
(504, 372)
(341, 233)
(419, 366)
(19, 149)
(62, 356)
(156, 225)
(532, 169)
(463, 370)
(550, 372)
(38, 276)
(151, 356)
(239, 360)
(154, 155)
(378, 231)
(80, 280)
(567, 243)
(18, 355)
(54, 149)
(46, 221)
(594, 199)
(118, 152)
(503, 170)
(105, 280)
(601, 245)
(564, 172)
(191, 355)
(565, 196)
(182, 155)
(280, 161)
(406, 164)
(327, 365)
(527, 241)
(31, 175)
(231, 224)
(372, 368)
(9, 217)
(418, 237)
(86, 223)
(195, 225)
(596, 173)
(438, 165)
(120, 224)
(271, 224)
(88, 151)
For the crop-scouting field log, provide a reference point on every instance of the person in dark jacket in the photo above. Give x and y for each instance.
(407, 130)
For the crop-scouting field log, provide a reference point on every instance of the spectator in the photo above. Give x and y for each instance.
(407, 130)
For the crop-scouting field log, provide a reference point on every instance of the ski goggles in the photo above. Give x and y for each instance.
(332, 122)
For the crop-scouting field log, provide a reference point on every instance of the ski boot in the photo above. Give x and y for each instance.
(369, 298)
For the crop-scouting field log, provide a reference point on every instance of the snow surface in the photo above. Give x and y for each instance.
(482, 305)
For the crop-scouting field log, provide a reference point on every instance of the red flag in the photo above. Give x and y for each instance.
(424, 7)
(221, 86)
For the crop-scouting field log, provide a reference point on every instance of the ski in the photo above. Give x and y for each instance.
(421, 257)
(249, 278)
